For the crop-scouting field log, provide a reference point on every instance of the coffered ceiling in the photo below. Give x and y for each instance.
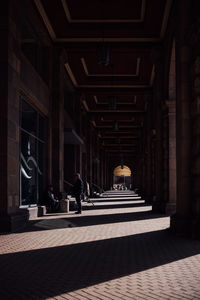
(121, 20)
(131, 29)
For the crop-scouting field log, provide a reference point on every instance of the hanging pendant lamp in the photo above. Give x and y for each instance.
(103, 52)
(112, 102)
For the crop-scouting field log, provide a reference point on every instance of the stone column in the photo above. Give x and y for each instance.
(165, 143)
(109, 175)
(104, 171)
(149, 177)
(181, 221)
(171, 204)
(144, 161)
(57, 116)
(77, 121)
(69, 162)
(196, 152)
(78, 159)
(158, 203)
(106, 164)
(101, 167)
(196, 142)
(4, 118)
(98, 162)
(11, 217)
(94, 156)
(89, 153)
(153, 163)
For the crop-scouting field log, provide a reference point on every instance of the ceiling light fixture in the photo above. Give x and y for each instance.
(103, 54)
(116, 126)
(112, 102)
(103, 50)
(118, 140)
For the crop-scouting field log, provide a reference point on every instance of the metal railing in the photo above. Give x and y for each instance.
(67, 186)
(97, 189)
(68, 183)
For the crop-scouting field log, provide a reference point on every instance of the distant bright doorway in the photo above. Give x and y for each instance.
(122, 178)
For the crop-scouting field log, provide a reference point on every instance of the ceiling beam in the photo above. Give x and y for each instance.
(152, 39)
(122, 150)
(72, 20)
(121, 137)
(116, 111)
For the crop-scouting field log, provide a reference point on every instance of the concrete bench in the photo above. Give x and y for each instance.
(64, 205)
(36, 211)
(72, 203)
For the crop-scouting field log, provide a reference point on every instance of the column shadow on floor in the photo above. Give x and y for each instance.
(81, 220)
(49, 272)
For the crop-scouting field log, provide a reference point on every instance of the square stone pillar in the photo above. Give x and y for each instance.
(171, 204)
(69, 162)
(11, 217)
(181, 222)
(78, 162)
(195, 192)
(57, 121)
(148, 157)
(89, 154)
(158, 201)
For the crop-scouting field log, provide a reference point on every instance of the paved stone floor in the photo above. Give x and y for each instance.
(117, 249)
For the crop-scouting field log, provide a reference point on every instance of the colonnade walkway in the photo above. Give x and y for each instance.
(117, 249)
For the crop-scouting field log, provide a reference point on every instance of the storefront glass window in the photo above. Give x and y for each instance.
(32, 160)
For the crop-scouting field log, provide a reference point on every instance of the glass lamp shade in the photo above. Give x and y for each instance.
(103, 54)
(112, 101)
(118, 140)
(116, 126)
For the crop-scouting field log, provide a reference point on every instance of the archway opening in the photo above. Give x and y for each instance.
(122, 178)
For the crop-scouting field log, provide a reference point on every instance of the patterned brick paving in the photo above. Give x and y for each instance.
(116, 249)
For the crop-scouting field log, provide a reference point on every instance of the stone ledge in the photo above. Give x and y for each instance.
(72, 203)
(64, 205)
(36, 211)
(15, 221)
(42, 210)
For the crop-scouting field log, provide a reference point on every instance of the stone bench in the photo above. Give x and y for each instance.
(36, 211)
(64, 205)
(72, 203)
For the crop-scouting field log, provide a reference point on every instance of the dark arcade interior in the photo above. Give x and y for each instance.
(109, 89)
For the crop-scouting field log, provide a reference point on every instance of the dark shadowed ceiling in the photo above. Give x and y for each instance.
(132, 29)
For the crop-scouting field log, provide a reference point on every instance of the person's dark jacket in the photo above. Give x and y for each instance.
(48, 198)
(78, 187)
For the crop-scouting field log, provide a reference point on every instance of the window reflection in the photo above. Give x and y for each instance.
(31, 155)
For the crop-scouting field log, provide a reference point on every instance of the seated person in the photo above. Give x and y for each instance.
(52, 203)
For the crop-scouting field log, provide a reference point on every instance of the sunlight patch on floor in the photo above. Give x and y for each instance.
(59, 236)
(161, 282)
